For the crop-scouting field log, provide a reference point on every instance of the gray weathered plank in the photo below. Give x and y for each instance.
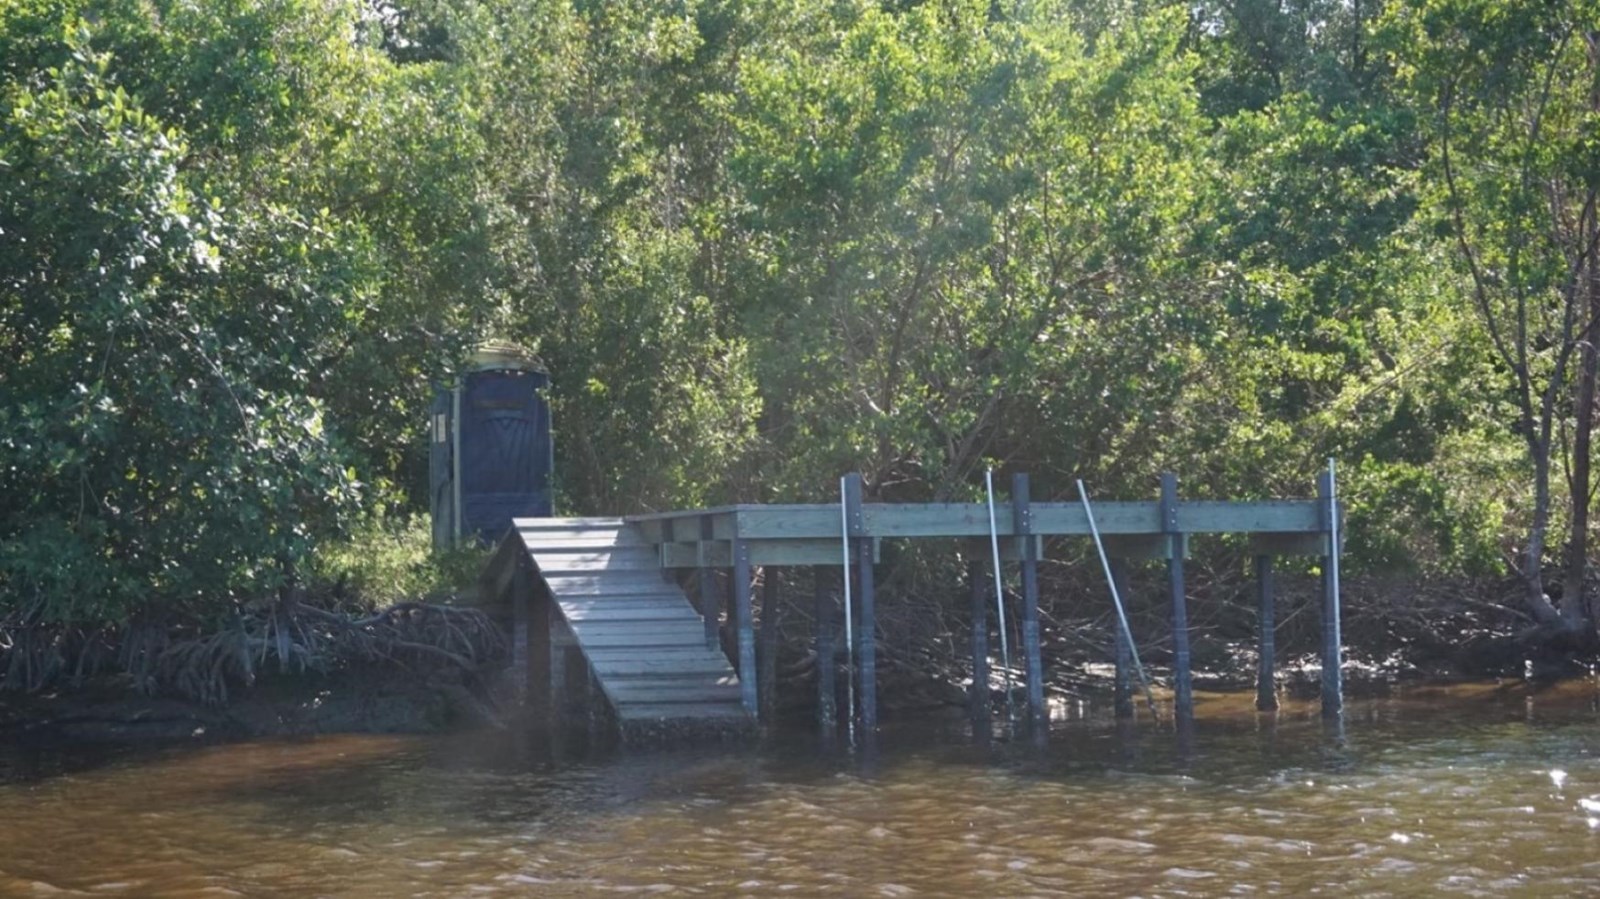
(771, 551)
(623, 601)
(656, 667)
(675, 711)
(671, 654)
(662, 691)
(640, 560)
(564, 582)
(821, 521)
(608, 614)
(647, 641)
(565, 524)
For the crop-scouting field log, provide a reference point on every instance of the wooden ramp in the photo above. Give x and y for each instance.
(645, 644)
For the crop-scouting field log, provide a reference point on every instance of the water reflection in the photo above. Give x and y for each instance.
(1428, 791)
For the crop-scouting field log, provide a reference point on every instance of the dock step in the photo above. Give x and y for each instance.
(642, 638)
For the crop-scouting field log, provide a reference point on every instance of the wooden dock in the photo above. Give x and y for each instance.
(605, 586)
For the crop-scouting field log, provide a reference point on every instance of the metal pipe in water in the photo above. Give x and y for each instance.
(1116, 598)
(849, 626)
(999, 597)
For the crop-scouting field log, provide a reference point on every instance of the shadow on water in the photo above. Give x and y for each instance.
(25, 762)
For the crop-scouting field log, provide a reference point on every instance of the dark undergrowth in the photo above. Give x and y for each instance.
(209, 661)
(1393, 629)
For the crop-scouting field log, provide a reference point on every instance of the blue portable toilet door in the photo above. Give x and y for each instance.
(505, 451)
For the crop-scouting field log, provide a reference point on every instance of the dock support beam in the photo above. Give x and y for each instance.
(767, 648)
(978, 695)
(1332, 646)
(744, 627)
(1122, 690)
(1266, 636)
(539, 621)
(559, 700)
(1022, 523)
(1182, 679)
(827, 691)
(866, 645)
(522, 637)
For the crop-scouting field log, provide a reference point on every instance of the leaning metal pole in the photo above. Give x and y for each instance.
(1116, 598)
(999, 599)
(849, 626)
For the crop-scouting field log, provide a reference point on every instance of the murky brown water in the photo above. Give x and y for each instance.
(1472, 790)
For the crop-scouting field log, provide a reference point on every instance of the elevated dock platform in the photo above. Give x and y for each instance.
(605, 588)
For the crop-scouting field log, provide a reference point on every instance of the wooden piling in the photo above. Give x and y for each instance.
(560, 644)
(1122, 687)
(1266, 636)
(1182, 678)
(744, 625)
(827, 690)
(541, 653)
(866, 642)
(707, 576)
(521, 634)
(1332, 647)
(767, 648)
(1022, 525)
(866, 638)
(979, 695)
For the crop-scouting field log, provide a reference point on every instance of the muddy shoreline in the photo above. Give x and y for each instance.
(383, 700)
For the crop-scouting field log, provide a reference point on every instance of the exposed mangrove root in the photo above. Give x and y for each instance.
(203, 661)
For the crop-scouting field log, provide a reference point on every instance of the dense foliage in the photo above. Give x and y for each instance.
(761, 242)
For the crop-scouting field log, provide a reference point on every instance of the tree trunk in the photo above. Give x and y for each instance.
(1574, 607)
(1533, 564)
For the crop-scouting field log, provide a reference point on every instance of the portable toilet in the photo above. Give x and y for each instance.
(492, 455)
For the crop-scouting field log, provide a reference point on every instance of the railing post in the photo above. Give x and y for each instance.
(1182, 679)
(1022, 525)
(866, 641)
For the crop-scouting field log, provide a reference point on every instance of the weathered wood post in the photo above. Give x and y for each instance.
(521, 632)
(978, 695)
(744, 625)
(767, 649)
(1266, 635)
(827, 691)
(1182, 679)
(1332, 647)
(576, 699)
(560, 701)
(866, 641)
(1122, 688)
(1022, 525)
(541, 655)
(710, 599)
